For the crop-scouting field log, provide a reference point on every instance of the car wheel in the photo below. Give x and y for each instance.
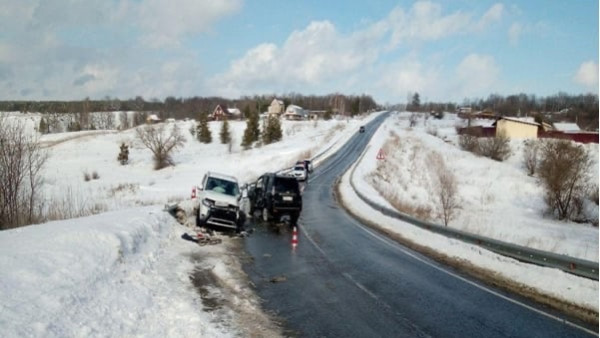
(265, 215)
(198, 221)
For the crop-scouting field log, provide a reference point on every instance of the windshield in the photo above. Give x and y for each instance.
(299, 168)
(222, 186)
(286, 185)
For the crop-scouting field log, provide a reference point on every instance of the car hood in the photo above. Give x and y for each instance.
(220, 198)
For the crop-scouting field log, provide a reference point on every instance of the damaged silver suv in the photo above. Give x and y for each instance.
(219, 202)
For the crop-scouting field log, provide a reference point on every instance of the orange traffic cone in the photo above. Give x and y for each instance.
(295, 238)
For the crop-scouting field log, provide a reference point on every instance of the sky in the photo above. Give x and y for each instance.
(445, 50)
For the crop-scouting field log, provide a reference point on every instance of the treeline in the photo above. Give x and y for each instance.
(179, 108)
(582, 109)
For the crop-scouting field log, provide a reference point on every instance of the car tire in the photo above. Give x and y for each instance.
(198, 221)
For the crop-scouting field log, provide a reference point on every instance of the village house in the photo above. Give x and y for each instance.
(220, 112)
(276, 107)
(152, 119)
(515, 128)
(296, 113)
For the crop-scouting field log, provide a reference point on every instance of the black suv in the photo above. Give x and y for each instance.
(277, 197)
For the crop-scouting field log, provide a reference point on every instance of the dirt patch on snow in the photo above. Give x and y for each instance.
(227, 292)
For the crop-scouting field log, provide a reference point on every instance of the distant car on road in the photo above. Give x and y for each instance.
(361, 129)
(307, 164)
(277, 197)
(300, 172)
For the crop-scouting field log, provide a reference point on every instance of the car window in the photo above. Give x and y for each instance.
(222, 186)
(299, 167)
(286, 185)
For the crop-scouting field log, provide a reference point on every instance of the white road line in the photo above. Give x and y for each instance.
(345, 274)
(396, 246)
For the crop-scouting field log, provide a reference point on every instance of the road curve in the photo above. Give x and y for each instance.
(345, 280)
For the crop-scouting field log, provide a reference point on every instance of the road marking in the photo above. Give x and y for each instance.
(345, 274)
(397, 246)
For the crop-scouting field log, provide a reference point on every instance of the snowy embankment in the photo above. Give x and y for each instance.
(506, 190)
(115, 274)
(126, 272)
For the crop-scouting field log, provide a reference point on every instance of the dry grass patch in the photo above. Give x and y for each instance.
(124, 188)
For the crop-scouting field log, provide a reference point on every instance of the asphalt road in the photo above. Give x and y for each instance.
(345, 280)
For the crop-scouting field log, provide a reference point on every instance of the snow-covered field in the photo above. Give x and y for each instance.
(497, 199)
(513, 209)
(126, 271)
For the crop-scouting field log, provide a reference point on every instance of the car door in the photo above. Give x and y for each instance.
(259, 193)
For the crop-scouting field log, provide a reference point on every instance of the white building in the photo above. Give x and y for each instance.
(293, 112)
(276, 107)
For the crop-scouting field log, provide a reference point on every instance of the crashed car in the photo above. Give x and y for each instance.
(219, 202)
(277, 198)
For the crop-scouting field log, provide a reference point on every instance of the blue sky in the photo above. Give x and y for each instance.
(444, 50)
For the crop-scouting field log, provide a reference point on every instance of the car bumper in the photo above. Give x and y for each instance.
(223, 217)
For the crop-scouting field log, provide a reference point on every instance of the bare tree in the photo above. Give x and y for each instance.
(83, 118)
(496, 148)
(530, 156)
(446, 188)
(105, 120)
(563, 171)
(414, 117)
(161, 143)
(123, 120)
(21, 161)
(139, 118)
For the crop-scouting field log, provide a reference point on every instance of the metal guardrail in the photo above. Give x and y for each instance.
(576, 266)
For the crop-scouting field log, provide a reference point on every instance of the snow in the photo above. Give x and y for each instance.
(125, 271)
(566, 127)
(498, 200)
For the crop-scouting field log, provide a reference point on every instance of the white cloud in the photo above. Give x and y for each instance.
(165, 22)
(587, 75)
(311, 56)
(494, 14)
(426, 21)
(409, 75)
(514, 33)
(476, 74)
(42, 57)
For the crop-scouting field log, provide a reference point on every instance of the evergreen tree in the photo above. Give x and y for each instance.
(225, 134)
(276, 133)
(123, 157)
(272, 133)
(252, 132)
(254, 126)
(246, 112)
(248, 137)
(328, 114)
(203, 132)
(44, 127)
(415, 104)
